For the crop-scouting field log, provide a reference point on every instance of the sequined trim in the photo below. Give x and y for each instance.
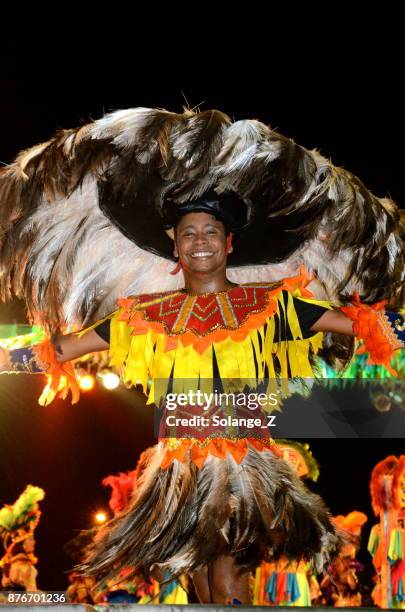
(199, 312)
(197, 451)
(389, 326)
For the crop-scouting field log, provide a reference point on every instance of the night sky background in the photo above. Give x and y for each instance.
(339, 93)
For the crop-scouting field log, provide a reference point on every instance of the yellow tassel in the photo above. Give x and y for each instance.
(143, 356)
(81, 333)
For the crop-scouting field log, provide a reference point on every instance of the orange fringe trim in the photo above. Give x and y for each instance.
(217, 447)
(61, 376)
(368, 327)
(135, 319)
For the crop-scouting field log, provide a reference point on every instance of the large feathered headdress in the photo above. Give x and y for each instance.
(81, 215)
(300, 457)
(19, 520)
(351, 523)
(387, 484)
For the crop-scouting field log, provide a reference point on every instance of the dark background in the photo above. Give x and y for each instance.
(335, 86)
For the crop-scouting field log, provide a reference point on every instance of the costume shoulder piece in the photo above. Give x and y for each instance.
(199, 320)
(200, 314)
(179, 336)
(81, 215)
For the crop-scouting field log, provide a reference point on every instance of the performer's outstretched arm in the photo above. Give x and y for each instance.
(390, 324)
(67, 347)
(53, 357)
(73, 346)
(381, 331)
(334, 321)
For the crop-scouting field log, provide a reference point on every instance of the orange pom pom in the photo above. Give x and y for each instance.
(372, 327)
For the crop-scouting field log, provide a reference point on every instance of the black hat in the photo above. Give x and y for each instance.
(234, 212)
(145, 212)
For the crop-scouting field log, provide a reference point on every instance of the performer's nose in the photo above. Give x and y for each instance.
(201, 239)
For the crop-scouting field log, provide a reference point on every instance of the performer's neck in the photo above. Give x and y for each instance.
(200, 283)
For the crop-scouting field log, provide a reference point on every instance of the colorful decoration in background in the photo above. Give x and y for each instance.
(88, 369)
(387, 539)
(80, 589)
(389, 394)
(358, 368)
(139, 588)
(19, 335)
(299, 456)
(17, 525)
(286, 582)
(340, 586)
(127, 587)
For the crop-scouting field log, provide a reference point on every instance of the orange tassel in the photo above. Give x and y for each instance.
(62, 377)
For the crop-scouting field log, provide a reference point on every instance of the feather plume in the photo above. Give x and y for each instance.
(70, 263)
(24, 509)
(184, 517)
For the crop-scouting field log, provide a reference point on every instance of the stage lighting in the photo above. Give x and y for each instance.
(110, 380)
(86, 382)
(100, 517)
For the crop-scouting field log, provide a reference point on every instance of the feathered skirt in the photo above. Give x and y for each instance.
(201, 499)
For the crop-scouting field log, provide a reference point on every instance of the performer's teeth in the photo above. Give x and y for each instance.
(203, 254)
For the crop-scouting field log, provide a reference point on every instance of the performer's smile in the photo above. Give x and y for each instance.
(200, 243)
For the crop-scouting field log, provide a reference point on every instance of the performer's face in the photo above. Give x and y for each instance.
(200, 243)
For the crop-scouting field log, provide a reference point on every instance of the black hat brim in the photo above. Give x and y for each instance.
(137, 213)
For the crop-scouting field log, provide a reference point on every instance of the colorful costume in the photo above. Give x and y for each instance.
(284, 583)
(340, 585)
(289, 582)
(130, 587)
(176, 500)
(17, 525)
(82, 226)
(387, 538)
(81, 589)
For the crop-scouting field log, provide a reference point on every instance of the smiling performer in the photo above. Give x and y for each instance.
(83, 220)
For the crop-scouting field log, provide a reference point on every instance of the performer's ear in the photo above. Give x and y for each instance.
(178, 266)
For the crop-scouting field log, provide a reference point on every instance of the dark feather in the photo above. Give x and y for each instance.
(184, 517)
(70, 263)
